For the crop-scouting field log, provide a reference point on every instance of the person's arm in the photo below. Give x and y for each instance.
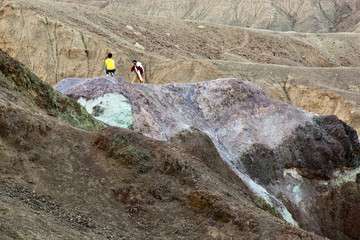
(133, 67)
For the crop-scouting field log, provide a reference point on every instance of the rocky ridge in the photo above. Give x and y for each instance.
(15, 77)
(320, 78)
(316, 72)
(62, 182)
(293, 154)
(278, 15)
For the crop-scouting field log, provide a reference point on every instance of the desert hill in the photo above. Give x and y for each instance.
(64, 182)
(201, 107)
(61, 182)
(294, 159)
(304, 53)
(314, 71)
(278, 15)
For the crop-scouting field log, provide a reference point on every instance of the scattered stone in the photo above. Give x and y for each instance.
(130, 28)
(46, 205)
(97, 110)
(138, 45)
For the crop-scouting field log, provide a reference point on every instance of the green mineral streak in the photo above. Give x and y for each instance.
(129, 154)
(15, 77)
(341, 177)
(267, 207)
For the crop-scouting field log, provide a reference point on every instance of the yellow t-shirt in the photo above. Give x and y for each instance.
(109, 63)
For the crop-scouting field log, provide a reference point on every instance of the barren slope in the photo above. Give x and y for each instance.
(80, 36)
(278, 15)
(298, 157)
(60, 182)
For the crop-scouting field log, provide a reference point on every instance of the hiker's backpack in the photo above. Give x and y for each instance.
(138, 64)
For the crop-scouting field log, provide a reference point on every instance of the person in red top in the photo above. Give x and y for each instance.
(139, 70)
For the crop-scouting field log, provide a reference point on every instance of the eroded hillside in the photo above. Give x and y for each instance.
(56, 40)
(278, 15)
(62, 182)
(294, 159)
(80, 36)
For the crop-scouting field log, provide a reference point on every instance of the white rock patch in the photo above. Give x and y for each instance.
(113, 109)
(130, 28)
(138, 45)
(341, 177)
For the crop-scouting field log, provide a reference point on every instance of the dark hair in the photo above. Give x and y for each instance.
(134, 61)
(109, 55)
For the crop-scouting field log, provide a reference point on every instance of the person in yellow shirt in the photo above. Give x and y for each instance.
(110, 65)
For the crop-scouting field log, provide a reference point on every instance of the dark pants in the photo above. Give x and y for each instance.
(110, 71)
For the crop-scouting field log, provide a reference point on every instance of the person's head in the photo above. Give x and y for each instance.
(134, 62)
(109, 55)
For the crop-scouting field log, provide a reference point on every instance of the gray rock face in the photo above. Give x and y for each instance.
(235, 114)
(295, 155)
(315, 151)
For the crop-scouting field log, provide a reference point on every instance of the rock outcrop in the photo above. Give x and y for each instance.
(15, 77)
(62, 182)
(316, 72)
(294, 154)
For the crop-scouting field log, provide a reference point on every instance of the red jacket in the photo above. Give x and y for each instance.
(138, 68)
